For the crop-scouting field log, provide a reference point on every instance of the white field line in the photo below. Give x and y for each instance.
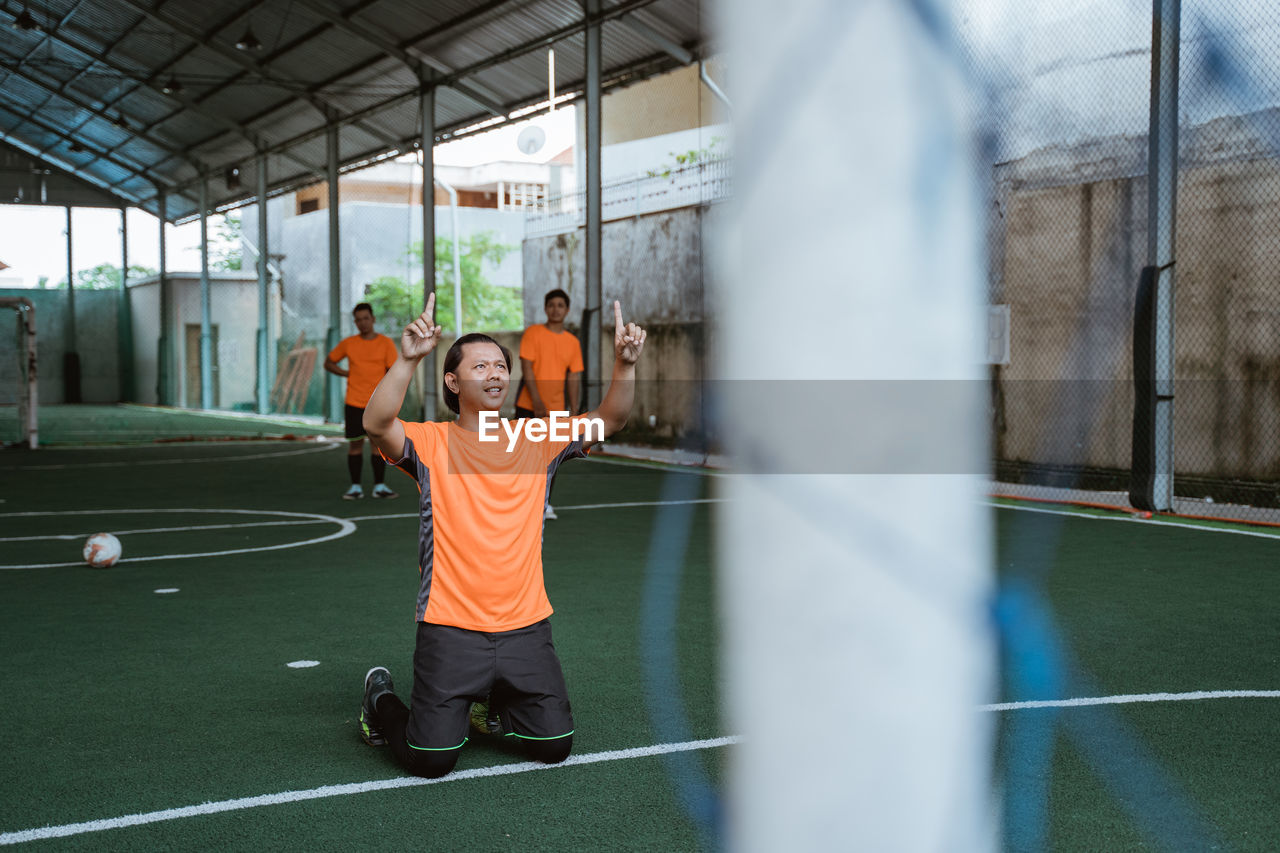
(1185, 525)
(345, 528)
(1131, 698)
(559, 507)
(655, 465)
(349, 789)
(67, 829)
(315, 448)
(166, 530)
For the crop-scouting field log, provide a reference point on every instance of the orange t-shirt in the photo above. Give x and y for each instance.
(367, 363)
(480, 535)
(553, 355)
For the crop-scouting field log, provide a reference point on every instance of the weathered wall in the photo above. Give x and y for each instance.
(1070, 245)
(97, 341)
(656, 266)
(233, 299)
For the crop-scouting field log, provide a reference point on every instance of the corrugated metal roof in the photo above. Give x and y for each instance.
(136, 98)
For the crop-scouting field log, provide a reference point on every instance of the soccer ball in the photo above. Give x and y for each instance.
(102, 550)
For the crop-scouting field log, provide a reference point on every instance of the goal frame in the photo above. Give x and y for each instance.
(28, 403)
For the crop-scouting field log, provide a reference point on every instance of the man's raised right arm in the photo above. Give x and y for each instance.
(381, 414)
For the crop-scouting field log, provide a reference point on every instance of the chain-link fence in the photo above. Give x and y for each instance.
(1069, 97)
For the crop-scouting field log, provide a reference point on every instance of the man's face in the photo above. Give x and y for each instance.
(482, 377)
(557, 309)
(364, 321)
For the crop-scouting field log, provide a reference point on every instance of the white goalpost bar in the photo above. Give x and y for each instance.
(28, 419)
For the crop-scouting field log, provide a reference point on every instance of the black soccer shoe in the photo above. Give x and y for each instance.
(376, 682)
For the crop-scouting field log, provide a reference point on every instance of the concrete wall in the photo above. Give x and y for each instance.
(233, 311)
(1068, 249)
(97, 341)
(656, 266)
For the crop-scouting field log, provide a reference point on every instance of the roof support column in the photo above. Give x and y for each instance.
(206, 312)
(1151, 477)
(164, 345)
(124, 316)
(592, 319)
(264, 285)
(332, 397)
(70, 351)
(427, 107)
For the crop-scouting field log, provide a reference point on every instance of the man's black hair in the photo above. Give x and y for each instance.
(454, 357)
(363, 306)
(552, 294)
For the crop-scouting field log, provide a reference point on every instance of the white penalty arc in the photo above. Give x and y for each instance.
(317, 447)
(345, 528)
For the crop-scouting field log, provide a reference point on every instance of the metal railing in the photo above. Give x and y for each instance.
(701, 183)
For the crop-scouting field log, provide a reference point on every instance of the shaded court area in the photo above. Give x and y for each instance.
(223, 658)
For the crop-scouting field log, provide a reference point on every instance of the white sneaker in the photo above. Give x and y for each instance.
(354, 493)
(549, 512)
(382, 490)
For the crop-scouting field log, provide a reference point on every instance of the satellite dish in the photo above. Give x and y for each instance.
(531, 139)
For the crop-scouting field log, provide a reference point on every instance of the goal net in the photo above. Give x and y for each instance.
(18, 406)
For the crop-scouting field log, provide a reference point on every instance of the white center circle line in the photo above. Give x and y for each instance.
(345, 528)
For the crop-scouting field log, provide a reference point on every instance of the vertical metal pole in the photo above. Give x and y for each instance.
(427, 146)
(124, 316)
(592, 318)
(71, 350)
(164, 355)
(333, 400)
(1162, 186)
(70, 345)
(206, 312)
(264, 284)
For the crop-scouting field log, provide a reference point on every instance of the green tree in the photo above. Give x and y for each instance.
(101, 277)
(689, 158)
(484, 304)
(226, 253)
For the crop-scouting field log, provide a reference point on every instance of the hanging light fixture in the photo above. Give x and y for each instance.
(172, 86)
(248, 41)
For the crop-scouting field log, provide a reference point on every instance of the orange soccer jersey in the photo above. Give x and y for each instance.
(480, 538)
(553, 355)
(367, 363)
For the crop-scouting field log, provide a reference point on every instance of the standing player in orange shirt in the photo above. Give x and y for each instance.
(369, 356)
(547, 355)
(482, 610)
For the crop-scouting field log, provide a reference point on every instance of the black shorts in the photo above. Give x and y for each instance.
(518, 672)
(355, 422)
(522, 412)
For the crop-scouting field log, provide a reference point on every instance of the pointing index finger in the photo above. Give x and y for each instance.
(617, 314)
(429, 311)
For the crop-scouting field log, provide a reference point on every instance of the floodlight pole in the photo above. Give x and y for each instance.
(124, 316)
(333, 400)
(164, 361)
(426, 146)
(457, 263)
(206, 312)
(264, 284)
(592, 319)
(1154, 358)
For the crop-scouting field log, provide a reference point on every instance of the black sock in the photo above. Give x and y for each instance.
(355, 464)
(379, 466)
